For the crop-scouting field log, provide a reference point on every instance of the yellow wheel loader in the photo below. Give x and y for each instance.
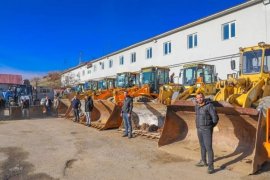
(241, 138)
(197, 78)
(253, 82)
(149, 105)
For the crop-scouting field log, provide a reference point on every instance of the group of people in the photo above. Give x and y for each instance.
(206, 119)
(76, 106)
(89, 106)
(48, 106)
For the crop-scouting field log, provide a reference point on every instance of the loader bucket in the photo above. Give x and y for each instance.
(106, 115)
(267, 138)
(64, 107)
(147, 118)
(237, 139)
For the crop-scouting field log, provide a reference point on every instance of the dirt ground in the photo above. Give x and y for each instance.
(60, 149)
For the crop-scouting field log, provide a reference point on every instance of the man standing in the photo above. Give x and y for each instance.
(2, 106)
(206, 120)
(25, 107)
(126, 114)
(48, 105)
(55, 105)
(76, 105)
(89, 105)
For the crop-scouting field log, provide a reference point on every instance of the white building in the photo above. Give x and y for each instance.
(214, 40)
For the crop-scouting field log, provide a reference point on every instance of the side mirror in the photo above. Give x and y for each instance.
(216, 77)
(232, 64)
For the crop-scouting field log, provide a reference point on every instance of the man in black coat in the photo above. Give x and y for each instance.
(89, 105)
(206, 120)
(126, 114)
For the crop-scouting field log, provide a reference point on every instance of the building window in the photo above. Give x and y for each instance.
(133, 57)
(95, 68)
(102, 65)
(149, 53)
(89, 72)
(121, 60)
(192, 40)
(228, 30)
(167, 48)
(110, 63)
(83, 72)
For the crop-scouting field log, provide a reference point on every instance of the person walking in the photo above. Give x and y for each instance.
(2, 106)
(76, 105)
(206, 120)
(89, 105)
(25, 104)
(55, 105)
(48, 105)
(126, 114)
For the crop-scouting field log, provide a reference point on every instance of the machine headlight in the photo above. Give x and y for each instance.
(198, 85)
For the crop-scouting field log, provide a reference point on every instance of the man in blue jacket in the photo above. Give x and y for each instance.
(206, 120)
(126, 114)
(76, 105)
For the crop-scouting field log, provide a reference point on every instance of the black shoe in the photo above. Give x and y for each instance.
(201, 164)
(125, 135)
(130, 136)
(210, 169)
(89, 125)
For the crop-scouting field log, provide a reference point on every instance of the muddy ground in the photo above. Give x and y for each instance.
(60, 149)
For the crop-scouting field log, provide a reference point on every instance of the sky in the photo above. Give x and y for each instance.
(41, 36)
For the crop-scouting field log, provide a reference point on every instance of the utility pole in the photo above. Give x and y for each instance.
(80, 58)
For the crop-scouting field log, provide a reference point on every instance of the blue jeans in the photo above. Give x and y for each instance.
(88, 118)
(127, 123)
(76, 115)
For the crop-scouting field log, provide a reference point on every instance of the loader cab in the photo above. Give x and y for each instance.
(255, 61)
(91, 85)
(154, 77)
(126, 80)
(22, 90)
(79, 88)
(198, 73)
(107, 83)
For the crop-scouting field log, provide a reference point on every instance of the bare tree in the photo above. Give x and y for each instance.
(35, 81)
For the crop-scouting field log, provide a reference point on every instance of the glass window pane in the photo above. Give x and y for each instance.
(251, 62)
(170, 48)
(195, 40)
(232, 29)
(225, 31)
(190, 42)
(266, 64)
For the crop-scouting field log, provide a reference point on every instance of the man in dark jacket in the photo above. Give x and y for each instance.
(206, 120)
(89, 105)
(25, 107)
(76, 105)
(126, 114)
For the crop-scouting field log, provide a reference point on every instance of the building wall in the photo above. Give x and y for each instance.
(252, 26)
